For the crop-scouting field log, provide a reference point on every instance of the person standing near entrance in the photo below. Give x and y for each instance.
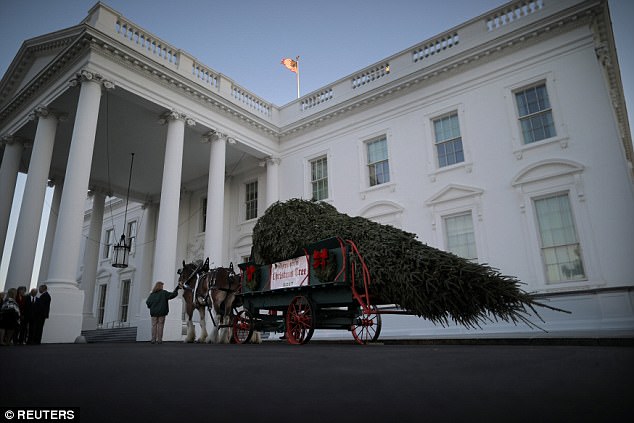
(157, 302)
(42, 308)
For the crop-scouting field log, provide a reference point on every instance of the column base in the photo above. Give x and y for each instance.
(66, 315)
(89, 322)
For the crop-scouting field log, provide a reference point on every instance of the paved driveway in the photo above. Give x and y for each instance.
(275, 382)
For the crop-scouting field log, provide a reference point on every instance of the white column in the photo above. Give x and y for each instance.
(214, 232)
(272, 180)
(27, 230)
(167, 227)
(8, 177)
(91, 259)
(50, 230)
(64, 323)
(143, 275)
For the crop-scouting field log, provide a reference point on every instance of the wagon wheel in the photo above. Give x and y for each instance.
(367, 326)
(242, 327)
(300, 320)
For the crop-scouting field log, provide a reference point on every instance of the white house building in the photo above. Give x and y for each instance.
(504, 140)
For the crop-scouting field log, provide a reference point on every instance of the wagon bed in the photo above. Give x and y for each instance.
(325, 286)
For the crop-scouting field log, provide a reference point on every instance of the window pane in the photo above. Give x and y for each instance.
(251, 201)
(460, 236)
(378, 166)
(319, 178)
(561, 250)
(448, 140)
(125, 299)
(536, 118)
(377, 151)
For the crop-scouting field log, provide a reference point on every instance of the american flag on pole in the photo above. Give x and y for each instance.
(290, 64)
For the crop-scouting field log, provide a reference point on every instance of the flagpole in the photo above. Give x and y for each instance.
(297, 75)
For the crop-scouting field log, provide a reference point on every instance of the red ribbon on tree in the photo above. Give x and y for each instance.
(320, 258)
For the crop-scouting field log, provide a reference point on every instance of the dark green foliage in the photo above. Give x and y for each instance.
(423, 280)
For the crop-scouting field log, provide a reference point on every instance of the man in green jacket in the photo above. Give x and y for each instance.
(157, 302)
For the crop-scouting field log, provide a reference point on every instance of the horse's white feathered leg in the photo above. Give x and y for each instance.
(256, 338)
(224, 334)
(203, 325)
(213, 335)
(191, 331)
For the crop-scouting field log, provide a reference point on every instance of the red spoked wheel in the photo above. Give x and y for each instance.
(300, 321)
(367, 326)
(242, 327)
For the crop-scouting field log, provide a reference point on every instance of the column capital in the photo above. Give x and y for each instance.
(92, 190)
(175, 115)
(273, 161)
(47, 112)
(14, 139)
(213, 135)
(85, 75)
(270, 161)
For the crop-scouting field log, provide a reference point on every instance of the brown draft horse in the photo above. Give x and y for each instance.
(211, 289)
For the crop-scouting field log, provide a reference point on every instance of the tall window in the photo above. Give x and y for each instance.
(378, 165)
(319, 178)
(561, 250)
(130, 231)
(101, 305)
(535, 114)
(125, 300)
(251, 200)
(448, 140)
(460, 236)
(109, 242)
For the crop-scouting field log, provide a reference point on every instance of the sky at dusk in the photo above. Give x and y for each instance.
(245, 40)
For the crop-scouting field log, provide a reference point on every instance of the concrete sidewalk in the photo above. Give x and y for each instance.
(323, 382)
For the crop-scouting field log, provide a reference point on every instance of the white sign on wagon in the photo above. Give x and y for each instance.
(289, 273)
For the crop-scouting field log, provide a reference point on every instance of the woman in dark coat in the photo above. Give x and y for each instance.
(157, 302)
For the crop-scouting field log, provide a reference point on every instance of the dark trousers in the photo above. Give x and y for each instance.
(35, 335)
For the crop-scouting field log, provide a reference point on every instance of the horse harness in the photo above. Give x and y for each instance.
(202, 272)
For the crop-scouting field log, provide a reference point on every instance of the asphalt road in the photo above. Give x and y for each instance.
(317, 382)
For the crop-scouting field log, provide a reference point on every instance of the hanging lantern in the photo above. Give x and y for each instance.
(121, 251)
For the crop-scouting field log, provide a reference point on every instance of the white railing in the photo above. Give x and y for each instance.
(250, 100)
(149, 43)
(370, 75)
(315, 99)
(436, 46)
(513, 13)
(205, 75)
(477, 32)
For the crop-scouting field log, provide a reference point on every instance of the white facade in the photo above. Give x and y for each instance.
(450, 157)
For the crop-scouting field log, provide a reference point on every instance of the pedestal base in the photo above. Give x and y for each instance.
(65, 317)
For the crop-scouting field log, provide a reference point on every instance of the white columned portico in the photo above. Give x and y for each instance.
(8, 177)
(50, 230)
(28, 227)
(65, 321)
(91, 258)
(214, 232)
(167, 227)
(272, 180)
